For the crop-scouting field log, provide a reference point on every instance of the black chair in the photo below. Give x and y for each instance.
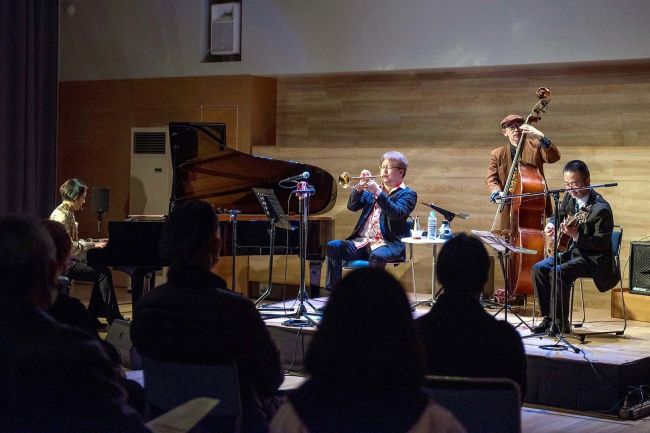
(617, 238)
(482, 405)
(168, 385)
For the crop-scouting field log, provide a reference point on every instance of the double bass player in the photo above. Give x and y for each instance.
(538, 150)
(518, 169)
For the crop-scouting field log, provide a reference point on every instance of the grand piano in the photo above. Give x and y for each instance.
(204, 168)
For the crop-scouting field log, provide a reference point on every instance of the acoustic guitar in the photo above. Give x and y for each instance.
(564, 241)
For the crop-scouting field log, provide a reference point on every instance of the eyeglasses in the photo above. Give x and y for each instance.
(513, 127)
(389, 167)
(573, 184)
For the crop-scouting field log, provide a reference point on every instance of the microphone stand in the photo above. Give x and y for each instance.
(304, 192)
(555, 193)
(100, 218)
(233, 222)
(447, 214)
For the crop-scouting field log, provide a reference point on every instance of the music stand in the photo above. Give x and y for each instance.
(504, 251)
(277, 218)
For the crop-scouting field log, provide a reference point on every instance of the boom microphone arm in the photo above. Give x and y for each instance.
(446, 214)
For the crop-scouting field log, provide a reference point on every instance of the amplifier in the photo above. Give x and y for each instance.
(640, 268)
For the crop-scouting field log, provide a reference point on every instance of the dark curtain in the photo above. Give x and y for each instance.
(28, 105)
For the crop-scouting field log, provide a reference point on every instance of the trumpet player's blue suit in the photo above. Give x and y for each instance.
(377, 235)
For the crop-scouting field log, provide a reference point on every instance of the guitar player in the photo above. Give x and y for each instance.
(589, 254)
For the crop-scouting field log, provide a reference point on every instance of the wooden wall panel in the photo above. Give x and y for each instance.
(446, 123)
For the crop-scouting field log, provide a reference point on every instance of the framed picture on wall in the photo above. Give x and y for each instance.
(224, 31)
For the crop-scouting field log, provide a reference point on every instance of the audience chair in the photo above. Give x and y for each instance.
(482, 405)
(617, 237)
(168, 385)
(358, 264)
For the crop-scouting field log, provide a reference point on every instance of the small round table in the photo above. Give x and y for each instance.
(434, 243)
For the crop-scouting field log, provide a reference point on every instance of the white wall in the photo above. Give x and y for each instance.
(113, 39)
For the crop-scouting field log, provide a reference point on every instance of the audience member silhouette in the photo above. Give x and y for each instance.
(54, 378)
(195, 319)
(66, 309)
(71, 311)
(459, 336)
(365, 365)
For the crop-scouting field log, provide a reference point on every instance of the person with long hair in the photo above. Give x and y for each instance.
(366, 366)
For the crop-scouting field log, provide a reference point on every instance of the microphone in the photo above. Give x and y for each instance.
(301, 176)
(448, 215)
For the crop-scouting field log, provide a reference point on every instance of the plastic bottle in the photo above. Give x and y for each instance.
(431, 226)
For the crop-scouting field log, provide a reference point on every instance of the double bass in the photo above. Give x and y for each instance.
(527, 214)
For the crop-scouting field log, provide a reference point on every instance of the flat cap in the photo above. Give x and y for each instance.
(511, 118)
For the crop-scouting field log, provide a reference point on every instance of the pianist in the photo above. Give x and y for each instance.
(385, 208)
(103, 302)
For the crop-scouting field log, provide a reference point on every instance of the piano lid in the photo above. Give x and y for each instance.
(204, 168)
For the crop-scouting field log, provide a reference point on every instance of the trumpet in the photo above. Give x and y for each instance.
(345, 180)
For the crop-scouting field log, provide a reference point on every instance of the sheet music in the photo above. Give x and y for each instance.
(500, 244)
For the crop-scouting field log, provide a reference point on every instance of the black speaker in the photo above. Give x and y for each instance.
(100, 199)
(119, 336)
(640, 268)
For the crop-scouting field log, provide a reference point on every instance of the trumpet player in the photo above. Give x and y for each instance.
(385, 208)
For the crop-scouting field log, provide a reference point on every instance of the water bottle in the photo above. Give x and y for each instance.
(431, 226)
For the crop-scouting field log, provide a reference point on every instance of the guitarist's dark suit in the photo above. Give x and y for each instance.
(590, 256)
